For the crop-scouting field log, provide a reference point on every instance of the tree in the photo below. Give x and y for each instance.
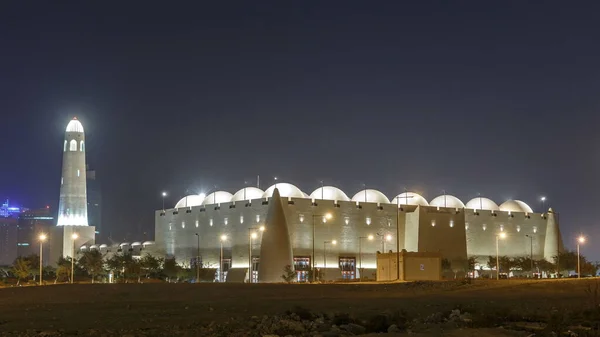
(91, 261)
(21, 268)
(446, 265)
(170, 268)
(459, 265)
(289, 275)
(567, 260)
(150, 264)
(506, 264)
(491, 263)
(63, 270)
(471, 261)
(545, 266)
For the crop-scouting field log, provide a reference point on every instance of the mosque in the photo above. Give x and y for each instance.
(330, 231)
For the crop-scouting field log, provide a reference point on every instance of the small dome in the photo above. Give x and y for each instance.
(369, 195)
(447, 201)
(515, 206)
(482, 203)
(217, 197)
(410, 198)
(285, 190)
(190, 201)
(248, 193)
(104, 245)
(137, 243)
(329, 193)
(147, 243)
(74, 126)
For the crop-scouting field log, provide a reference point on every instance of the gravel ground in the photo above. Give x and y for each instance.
(421, 308)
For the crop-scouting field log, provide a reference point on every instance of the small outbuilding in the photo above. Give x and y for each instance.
(414, 266)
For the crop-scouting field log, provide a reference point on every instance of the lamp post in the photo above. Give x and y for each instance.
(498, 236)
(252, 235)
(74, 237)
(543, 200)
(384, 238)
(580, 240)
(370, 238)
(312, 258)
(530, 252)
(333, 242)
(42, 238)
(221, 274)
(164, 194)
(198, 260)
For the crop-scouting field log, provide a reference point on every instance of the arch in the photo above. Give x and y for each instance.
(65, 147)
(73, 145)
(81, 146)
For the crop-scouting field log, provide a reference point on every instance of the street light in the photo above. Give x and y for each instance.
(74, 236)
(543, 200)
(223, 238)
(164, 194)
(253, 235)
(333, 242)
(42, 238)
(498, 236)
(384, 238)
(312, 258)
(198, 260)
(580, 240)
(370, 238)
(530, 251)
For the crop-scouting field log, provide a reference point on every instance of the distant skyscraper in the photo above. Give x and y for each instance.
(72, 206)
(94, 199)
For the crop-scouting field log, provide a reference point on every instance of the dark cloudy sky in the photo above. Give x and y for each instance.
(498, 98)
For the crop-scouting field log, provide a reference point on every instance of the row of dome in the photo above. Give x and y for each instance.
(334, 193)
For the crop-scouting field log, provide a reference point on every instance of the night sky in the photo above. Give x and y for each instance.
(497, 98)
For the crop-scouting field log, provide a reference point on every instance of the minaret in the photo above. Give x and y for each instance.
(72, 206)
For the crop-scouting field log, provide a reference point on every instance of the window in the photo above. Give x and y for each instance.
(65, 147)
(368, 221)
(225, 221)
(73, 145)
(197, 223)
(451, 223)
(432, 223)
(302, 267)
(348, 267)
(257, 218)
(210, 222)
(301, 218)
(78, 173)
(183, 224)
(62, 180)
(81, 146)
(241, 219)
(518, 228)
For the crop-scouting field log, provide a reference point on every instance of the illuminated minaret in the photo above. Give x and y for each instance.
(72, 206)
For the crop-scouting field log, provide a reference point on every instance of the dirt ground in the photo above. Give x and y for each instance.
(118, 306)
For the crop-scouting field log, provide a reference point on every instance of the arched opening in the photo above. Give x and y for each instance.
(81, 146)
(73, 145)
(65, 147)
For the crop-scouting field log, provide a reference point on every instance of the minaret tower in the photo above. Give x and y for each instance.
(72, 206)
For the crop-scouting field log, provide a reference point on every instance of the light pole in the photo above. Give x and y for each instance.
(543, 200)
(252, 235)
(221, 274)
(530, 251)
(42, 238)
(498, 236)
(312, 258)
(580, 240)
(333, 242)
(198, 260)
(164, 194)
(370, 238)
(384, 238)
(74, 237)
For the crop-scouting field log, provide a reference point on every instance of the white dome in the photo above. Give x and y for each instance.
(217, 197)
(285, 190)
(190, 201)
(410, 198)
(370, 196)
(74, 126)
(250, 193)
(482, 203)
(329, 193)
(515, 206)
(447, 201)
